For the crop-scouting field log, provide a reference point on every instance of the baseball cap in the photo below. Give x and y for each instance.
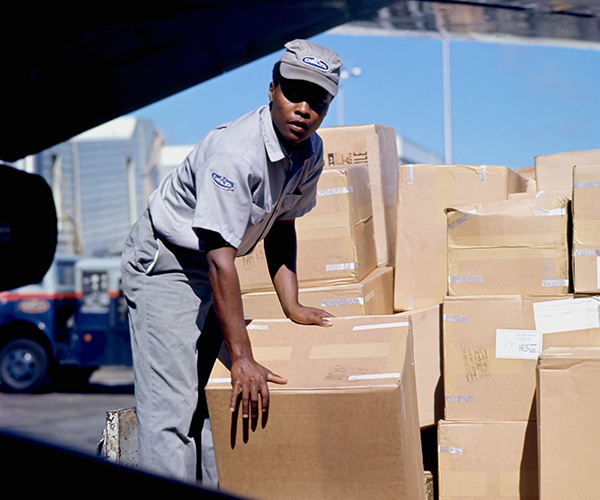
(309, 61)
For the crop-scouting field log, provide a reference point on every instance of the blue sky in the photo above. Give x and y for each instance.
(509, 102)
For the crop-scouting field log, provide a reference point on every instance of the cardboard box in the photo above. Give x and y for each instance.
(374, 145)
(427, 339)
(424, 191)
(344, 427)
(586, 228)
(252, 270)
(568, 428)
(529, 174)
(491, 345)
(493, 460)
(335, 239)
(555, 171)
(509, 247)
(370, 296)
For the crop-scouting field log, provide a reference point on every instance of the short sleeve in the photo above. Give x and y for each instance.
(224, 199)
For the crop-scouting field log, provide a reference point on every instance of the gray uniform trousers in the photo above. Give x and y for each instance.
(170, 304)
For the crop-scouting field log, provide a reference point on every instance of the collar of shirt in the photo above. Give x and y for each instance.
(275, 149)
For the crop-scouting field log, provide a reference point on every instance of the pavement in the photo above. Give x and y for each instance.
(72, 420)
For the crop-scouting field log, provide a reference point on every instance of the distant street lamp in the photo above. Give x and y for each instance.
(344, 75)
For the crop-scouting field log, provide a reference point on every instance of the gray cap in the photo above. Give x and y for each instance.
(309, 61)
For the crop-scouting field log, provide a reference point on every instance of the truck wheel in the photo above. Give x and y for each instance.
(23, 366)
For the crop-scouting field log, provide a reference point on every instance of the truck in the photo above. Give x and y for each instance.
(60, 330)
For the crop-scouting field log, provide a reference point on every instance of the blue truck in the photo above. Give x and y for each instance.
(60, 330)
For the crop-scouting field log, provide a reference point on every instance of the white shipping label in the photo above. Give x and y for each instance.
(566, 315)
(598, 272)
(518, 344)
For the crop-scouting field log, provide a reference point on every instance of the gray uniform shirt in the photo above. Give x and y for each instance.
(237, 181)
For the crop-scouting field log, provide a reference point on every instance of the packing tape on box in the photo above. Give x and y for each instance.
(252, 326)
(462, 219)
(459, 399)
(450, 449)
(334, 191)
(350, 351)
(348, 302)
(375, 376)
(341, 267)
(465, 279)
(541, 212)
(409, 174)
(586, 184)
(554, 283)
(220, 380)
(586, 252)
(272, 353)
(379, 326)
(483, 174)
(343, 302)
(456, 319)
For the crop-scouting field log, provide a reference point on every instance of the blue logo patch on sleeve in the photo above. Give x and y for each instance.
(222, 182)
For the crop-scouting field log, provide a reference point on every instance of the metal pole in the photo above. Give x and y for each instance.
(340, 103)
(447, 101)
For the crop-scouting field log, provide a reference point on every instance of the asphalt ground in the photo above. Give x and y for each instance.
(72, 420)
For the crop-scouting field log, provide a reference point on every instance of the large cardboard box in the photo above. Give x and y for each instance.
(344, 427)
(427, 339)
(555, 171)
(491, 345)
(374, 145)
(494, 460)
(568, 425)
(509, 247)
(424, 191)
(586, 228)
(335, 239)
(371, 296)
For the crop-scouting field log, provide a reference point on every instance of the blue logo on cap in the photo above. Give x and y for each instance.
(315, 62)
(222, 182)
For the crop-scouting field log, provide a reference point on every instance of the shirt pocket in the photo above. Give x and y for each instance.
(291, 199)
(257, 214)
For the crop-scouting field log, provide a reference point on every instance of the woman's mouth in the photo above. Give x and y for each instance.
(299, 126)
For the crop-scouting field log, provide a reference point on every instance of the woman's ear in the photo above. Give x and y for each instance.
(271, 91)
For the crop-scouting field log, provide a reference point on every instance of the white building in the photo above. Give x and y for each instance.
(411, 153)
(172, 156)
(101, 180)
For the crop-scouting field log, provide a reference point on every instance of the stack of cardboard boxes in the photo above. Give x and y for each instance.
(567, 377)
(447, 283)
(511, 297)
(346, 425)
(345, 249)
